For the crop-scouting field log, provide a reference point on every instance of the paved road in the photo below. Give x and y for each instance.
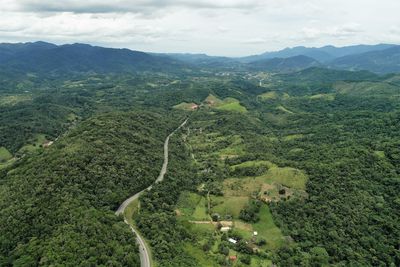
(144, 253)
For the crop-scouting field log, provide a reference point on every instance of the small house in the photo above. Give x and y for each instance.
(233, 258)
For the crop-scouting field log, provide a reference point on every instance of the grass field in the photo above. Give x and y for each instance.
(192, 206)
(267, 229)
(5, 155)
(268, 96)
(380, 154)
(185, 106)
(285, 110)
(253, 163)
(327, 97)
(33, 144)
(231, 104)
(286, 176)
(11, 100)
(196, 252)
(228, 104)
(228, 205)
(130, 210)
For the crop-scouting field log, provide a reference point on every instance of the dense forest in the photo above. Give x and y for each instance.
(59, 205)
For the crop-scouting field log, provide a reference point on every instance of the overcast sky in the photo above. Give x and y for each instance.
(215, 27)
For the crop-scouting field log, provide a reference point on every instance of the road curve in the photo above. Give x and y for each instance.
(144, 253)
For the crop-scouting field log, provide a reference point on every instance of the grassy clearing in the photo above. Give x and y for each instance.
(200, 212)
(192, 206)
(290, 177)
(253, 163)
(228, 205)
(268, 96)
(212, 100)
(231, 104)
(130, 210)
(380, 154)
(267, 229)
(327, 97)
(11, 100)
(199, 255)
(267, 186)
(34, 144)
(235, 149)
(228, 104)
(285, 110)
(185, 106)
(5, 155)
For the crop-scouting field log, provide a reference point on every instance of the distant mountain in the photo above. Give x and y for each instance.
(203, 60)
(322, 54)
(8, 50)
(283, 65)
(382, 61)
(44, 57)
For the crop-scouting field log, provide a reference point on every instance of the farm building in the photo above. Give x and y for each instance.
(233, 241)
(225, 229)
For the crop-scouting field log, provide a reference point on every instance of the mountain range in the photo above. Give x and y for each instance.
(47, 57)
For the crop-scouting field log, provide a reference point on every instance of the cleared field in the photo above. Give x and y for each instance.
(327, 97)
(283, 109)
(187, 204)
(33, 145)
(199, 255)
(290, 177)
(200, 212)
(267, 229)
(276, 184)
(186, 106)
(11, 100)
(5, 155)
(230, 206)
(253, 163)
(268, 96)
(228, 104)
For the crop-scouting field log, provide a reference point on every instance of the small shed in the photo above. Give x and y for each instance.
(233, 241)
(233, 258)
(225, 229)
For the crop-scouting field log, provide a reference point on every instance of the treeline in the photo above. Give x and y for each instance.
(157, 218)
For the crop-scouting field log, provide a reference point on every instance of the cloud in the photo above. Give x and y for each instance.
(217, 27)
(254, 41)
(342, 31)
(123, 6)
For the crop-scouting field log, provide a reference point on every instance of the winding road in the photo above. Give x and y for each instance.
(143, 249)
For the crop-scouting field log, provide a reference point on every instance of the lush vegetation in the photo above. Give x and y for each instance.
(64, 210)
(300, 169)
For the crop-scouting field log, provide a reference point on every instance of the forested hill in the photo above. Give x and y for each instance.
(59, 206)
(47, 58)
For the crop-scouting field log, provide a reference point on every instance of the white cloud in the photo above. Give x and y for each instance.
(224, 27)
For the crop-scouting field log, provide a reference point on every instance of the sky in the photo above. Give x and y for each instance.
(214, 27)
